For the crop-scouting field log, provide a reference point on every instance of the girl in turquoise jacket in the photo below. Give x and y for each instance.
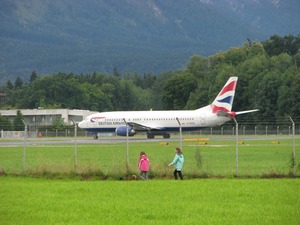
(178, 161)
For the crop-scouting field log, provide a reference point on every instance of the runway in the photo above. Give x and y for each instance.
(103, 140)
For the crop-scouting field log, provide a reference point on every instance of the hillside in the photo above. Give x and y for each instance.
(135, 36)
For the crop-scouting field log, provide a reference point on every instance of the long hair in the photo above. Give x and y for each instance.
(178, 150)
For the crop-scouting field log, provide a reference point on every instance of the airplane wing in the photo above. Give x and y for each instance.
(141, 127)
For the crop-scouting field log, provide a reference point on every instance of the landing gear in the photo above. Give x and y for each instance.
(152, 134)
(166, 135)
(95, 136)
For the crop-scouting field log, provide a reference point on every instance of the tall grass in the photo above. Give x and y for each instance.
(202, 201)
(108, 161)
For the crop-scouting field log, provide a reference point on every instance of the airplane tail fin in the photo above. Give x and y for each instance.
(222, 105)
(224, 100)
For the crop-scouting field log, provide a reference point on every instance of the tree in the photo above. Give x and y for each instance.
(5, 123)
(18, 83)
(58, 124)
(177, 90)
(9, 85)
(267, 94)
(18, 122)
(291, 44)
(289, 96)
(198, 66)
(274, 46)
(33, 76)
(297, 59)
(198, 98)
(277, 45)
(156, 92)
(116, 73)
(148, 80)
(128, 97)
(281, 62)
(96, 98)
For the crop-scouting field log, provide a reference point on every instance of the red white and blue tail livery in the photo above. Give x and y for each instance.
(154, 123)
(224, 100)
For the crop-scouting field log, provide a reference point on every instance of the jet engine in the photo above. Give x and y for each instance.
(122, 131)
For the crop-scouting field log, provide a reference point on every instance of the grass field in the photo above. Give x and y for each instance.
(49, 191)
(201, 201)
(256, 158)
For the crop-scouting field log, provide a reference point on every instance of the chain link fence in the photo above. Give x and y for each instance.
(223, 130)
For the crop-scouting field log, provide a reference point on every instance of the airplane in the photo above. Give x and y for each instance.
(154, 123)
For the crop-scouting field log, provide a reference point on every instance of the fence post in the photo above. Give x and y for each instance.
(127, 146)
(24, 149)
(236, 146)
(294, 151)
(180, 132)
(75, 145)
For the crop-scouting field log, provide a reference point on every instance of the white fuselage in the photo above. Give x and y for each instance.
(188, 120)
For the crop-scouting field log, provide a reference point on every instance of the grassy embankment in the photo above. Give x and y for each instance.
(108, 160)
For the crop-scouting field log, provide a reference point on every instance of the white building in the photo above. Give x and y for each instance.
(44, 117)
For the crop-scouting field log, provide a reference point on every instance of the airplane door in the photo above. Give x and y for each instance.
(202, 121)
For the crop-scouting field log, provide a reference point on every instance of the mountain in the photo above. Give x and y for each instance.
(140, 36)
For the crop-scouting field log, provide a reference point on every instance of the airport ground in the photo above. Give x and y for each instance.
(47, 199)
(137, 138)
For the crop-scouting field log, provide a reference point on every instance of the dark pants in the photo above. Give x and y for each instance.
(179, 172)
(144, 175)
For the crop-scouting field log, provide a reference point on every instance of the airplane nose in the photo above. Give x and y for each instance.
(81, 124)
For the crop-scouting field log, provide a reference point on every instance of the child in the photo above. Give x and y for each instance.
(143, 166)
(178, 161)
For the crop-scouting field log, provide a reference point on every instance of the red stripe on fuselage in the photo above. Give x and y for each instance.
(217, 108)
(97, 118)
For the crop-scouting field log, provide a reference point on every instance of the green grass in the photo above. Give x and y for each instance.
(218, 159)
(203, 201)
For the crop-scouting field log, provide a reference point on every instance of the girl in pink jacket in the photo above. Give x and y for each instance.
(144, 166)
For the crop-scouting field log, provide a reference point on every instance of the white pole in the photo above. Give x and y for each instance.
(24, 149)
(127, 146)
(75, 145)
(236, 146)
(294, 151)
(180, 132)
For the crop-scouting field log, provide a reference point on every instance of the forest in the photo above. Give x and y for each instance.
(268, 72)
